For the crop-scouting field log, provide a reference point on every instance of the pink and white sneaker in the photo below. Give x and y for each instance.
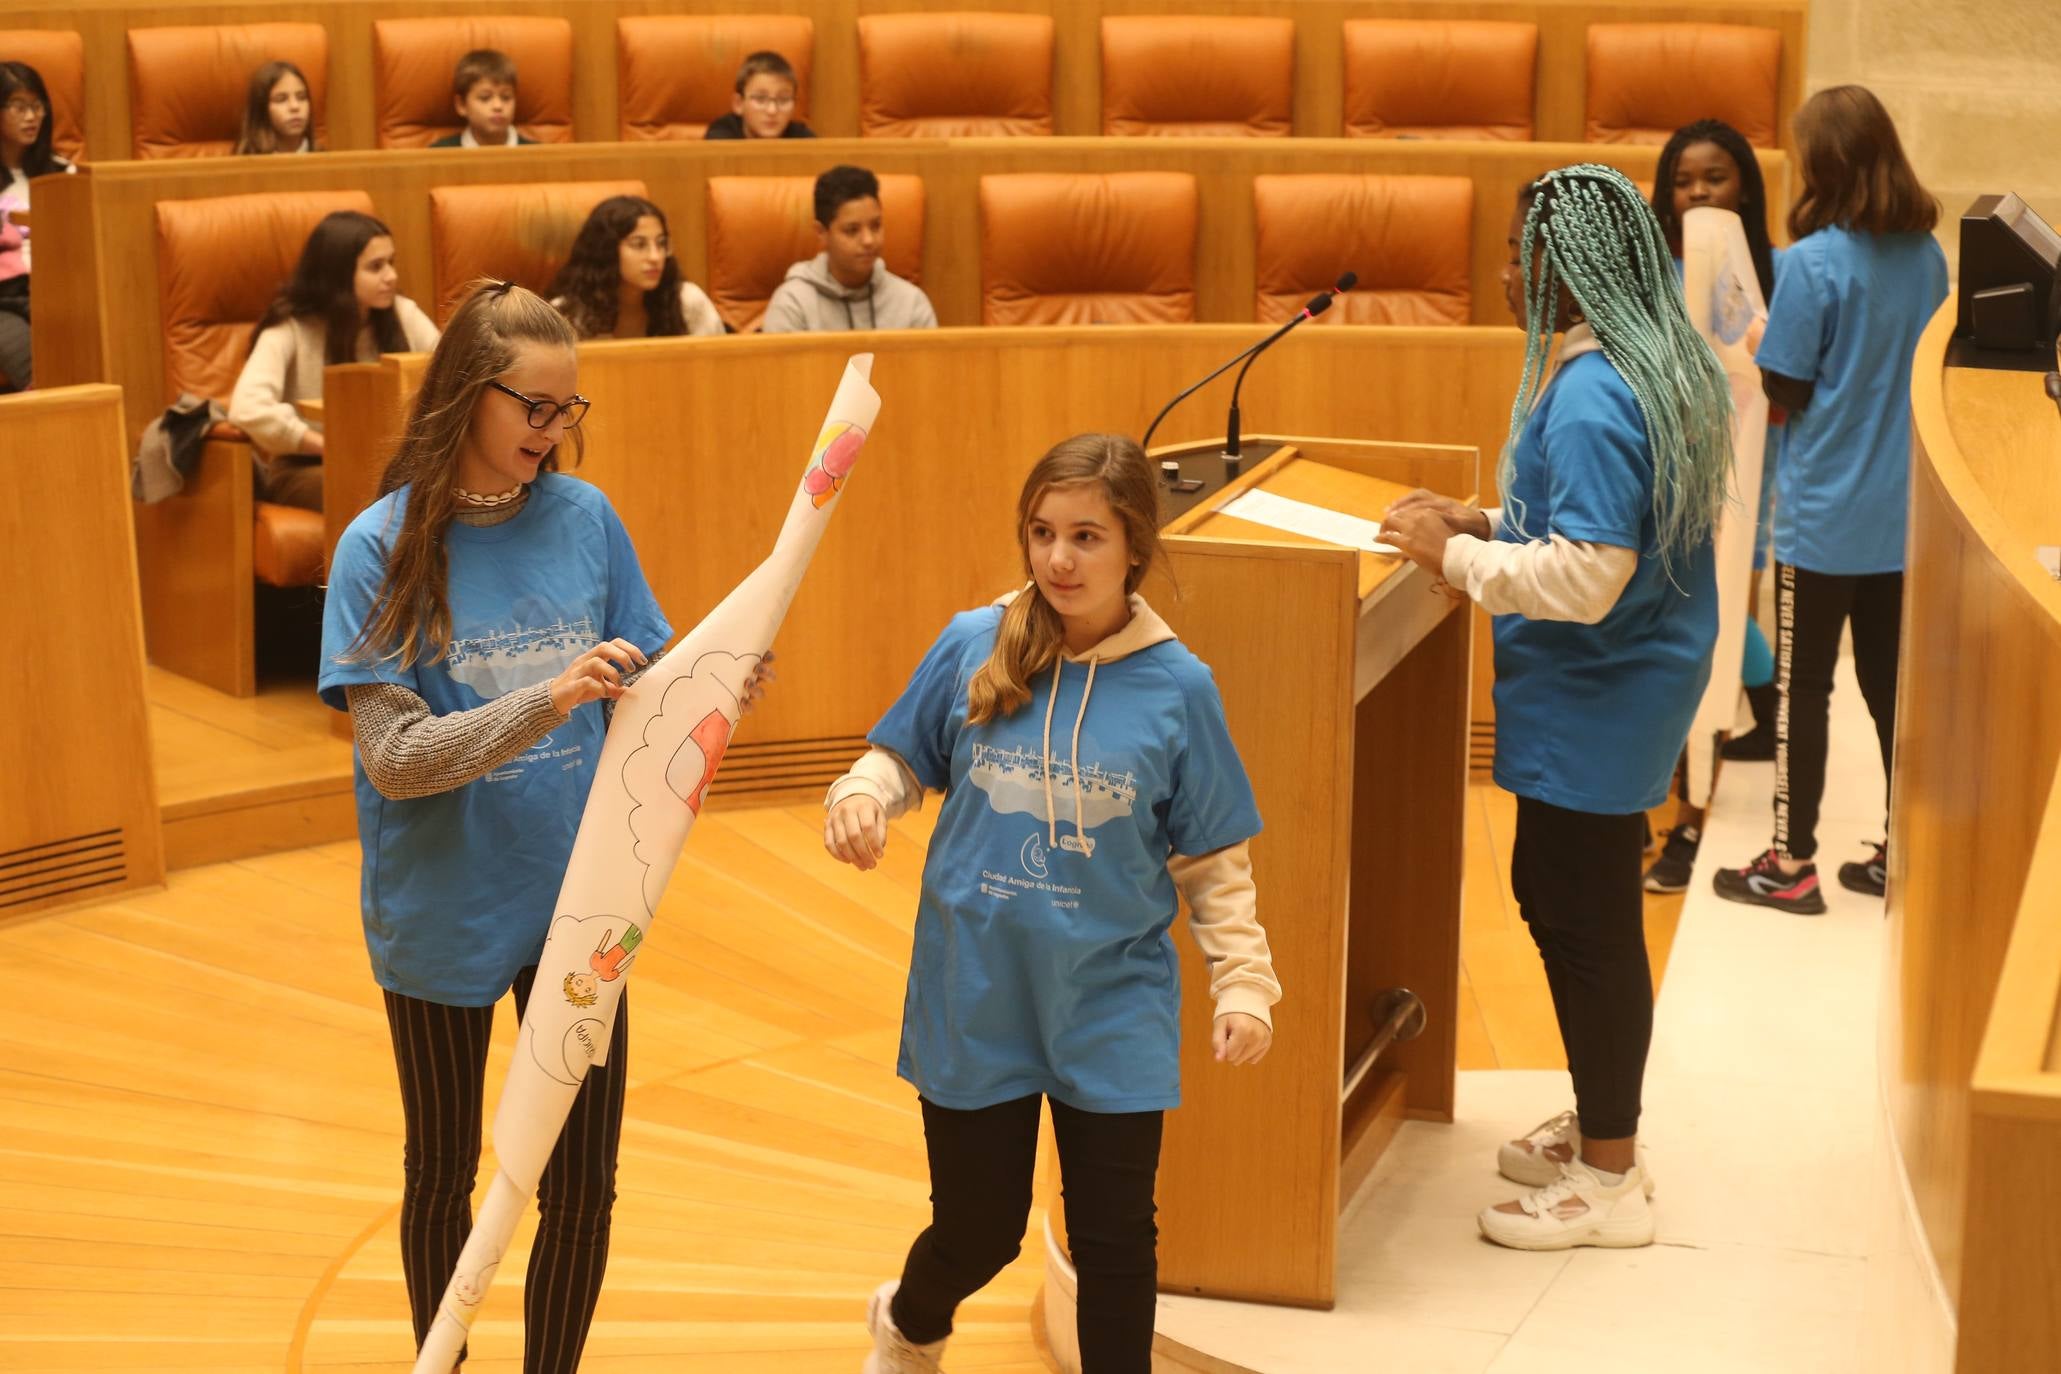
(1575, 1209)
(1537, 1159)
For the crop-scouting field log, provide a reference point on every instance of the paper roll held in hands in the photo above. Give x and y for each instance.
(663, 748)
(1727, 308)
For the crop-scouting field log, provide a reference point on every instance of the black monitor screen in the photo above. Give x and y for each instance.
(2010, 258)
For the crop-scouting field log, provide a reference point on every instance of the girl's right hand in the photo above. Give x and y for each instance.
(855, 831)
(1459, 517)
(596, 675)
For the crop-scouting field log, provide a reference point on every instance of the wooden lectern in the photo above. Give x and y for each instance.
(1345, 678)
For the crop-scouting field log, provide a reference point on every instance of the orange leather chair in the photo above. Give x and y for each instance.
(1647, 80)
(758, 227)
(954, 75)
(520, 232)
(219, 263)
(413, 59)
(1407, 236)
(59, 57)
(676, 73)
(188, 85)
(1203, 75)
(1436, 78)
(1117, 248)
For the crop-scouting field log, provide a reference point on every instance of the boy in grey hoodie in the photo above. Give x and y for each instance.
(847, 286)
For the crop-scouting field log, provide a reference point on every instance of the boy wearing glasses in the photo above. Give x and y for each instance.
(763, 106)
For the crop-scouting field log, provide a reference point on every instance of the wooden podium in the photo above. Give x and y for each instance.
(1345, 678)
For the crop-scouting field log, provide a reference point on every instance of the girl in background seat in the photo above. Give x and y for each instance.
(621, 280)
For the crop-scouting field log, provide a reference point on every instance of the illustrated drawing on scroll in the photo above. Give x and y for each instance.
(1726, 306)
(667, 738)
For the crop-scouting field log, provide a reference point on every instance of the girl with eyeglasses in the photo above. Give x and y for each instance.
(481, 614)
(25, 153)
(342, 305)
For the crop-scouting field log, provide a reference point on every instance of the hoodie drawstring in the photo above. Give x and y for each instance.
(1080, 828)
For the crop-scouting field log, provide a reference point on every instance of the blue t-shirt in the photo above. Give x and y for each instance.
(1040, 968)
(1592, 717)
(459, 887)
(1847, 313)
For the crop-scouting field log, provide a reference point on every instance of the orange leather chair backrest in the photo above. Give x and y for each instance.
(676, 73)
(1437, 78)
(521, 232)
(219, 264)
(758, 227)
(1407, 237)
(954, 75)
(1116, 248)
(1647, 80)
(413, 60)
(59, 57)
(188, 85)
(1204, 75)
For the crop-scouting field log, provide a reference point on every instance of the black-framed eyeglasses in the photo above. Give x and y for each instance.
(543, 412)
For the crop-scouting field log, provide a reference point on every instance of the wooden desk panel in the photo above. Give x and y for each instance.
(965, 414)
(834, 98)
(1974, 970)
(99, 230)
(81, 819)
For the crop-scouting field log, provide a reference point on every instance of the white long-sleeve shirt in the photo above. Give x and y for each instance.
(286, 366)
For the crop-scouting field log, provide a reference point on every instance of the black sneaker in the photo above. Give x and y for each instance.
(1871, 879)
(1763, 883)
(1677, 861)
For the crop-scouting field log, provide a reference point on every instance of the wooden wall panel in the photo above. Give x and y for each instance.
(1978, 741)
(965, 413)
(1077, 70)
(80, 818)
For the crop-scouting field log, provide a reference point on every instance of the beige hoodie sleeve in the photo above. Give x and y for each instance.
(1223, 918)
(259, 405)
(881, 775)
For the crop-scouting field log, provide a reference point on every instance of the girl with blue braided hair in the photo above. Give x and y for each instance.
(1599, 572)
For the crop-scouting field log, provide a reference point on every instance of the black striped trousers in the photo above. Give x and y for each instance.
(441, 1053)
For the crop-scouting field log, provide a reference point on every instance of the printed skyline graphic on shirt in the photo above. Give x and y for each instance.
(496, 664)
(1014, 783)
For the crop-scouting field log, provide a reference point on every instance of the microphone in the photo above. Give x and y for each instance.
(1316, 306)
(1233, 455)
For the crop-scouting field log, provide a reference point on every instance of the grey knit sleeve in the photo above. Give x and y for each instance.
(408, 752)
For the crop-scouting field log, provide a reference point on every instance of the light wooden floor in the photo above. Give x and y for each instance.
(200, 1168)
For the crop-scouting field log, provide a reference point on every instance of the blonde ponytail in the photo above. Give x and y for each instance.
(1025, 645)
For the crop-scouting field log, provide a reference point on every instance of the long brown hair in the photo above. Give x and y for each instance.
(324, 287)
(1032, 634)
(412, 623)
(1855, 174)
(258, 135)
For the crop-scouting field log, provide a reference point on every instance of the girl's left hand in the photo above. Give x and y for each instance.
(1241, 1038)
(1421, 534)
(755, 685)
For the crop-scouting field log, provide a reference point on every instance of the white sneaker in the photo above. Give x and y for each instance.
(1576, 1209)
(1529, 1162)
(894, 1353)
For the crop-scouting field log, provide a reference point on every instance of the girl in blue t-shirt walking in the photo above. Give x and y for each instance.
(1043, 969)
(1600, 573)
(1858, 287)
(476, 612)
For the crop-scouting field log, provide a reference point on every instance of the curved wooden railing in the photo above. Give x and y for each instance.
(1971, 1042)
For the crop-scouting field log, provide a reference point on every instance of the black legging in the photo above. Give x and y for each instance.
(1811, 609)
(981, 1164)
(1576, 879)
(441, 1053)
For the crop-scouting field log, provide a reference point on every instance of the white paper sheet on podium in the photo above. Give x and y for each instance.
(1314, 522)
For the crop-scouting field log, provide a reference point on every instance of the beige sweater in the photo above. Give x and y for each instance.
(286, 366)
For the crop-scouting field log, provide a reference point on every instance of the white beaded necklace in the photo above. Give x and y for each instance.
(488, 502)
